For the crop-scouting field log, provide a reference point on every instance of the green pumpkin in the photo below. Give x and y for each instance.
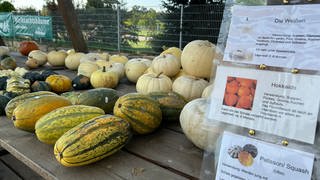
(3, 103)
(40, 86)
(3, 82)
(81, 82)
(33, 76)
(10, 95)
(4, 56)
(8, 63)
(46, 73)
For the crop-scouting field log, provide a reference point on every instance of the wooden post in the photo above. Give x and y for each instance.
(70, 19)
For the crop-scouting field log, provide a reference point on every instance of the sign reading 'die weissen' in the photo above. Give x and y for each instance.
(281, 36)
(279, 103)
(245, 158)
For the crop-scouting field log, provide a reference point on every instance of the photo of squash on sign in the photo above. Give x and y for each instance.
(239, 92)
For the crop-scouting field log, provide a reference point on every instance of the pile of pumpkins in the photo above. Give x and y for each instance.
(169, 88)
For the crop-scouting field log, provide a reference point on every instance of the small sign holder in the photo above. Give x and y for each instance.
(211, 157)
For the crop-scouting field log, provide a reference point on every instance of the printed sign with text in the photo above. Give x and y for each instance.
(281, 36)
(245, 158)
(279, 103)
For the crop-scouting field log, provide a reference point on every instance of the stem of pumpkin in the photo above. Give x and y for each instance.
(104, 69)
(159, 74)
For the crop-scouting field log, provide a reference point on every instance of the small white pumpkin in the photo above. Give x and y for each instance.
(136, 68)
(102, 78)
(207, 91)
(192, 123)
(167, 64)
(39, 56)
(180, 73)
(57, 58)
(71, 51)
(118, 58)
(148, 83)
(117, 68)
(102, 62)
(104, 56)
(87, 68)
(90, 57)
(174, 51)
(197, 58)
(4, 50)
(189, 87)
(72, 61)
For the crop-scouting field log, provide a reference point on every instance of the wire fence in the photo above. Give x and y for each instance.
(146, 30)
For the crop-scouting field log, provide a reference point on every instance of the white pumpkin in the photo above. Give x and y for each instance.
(39, 56)
(72, 61)
(180, 73)
(56, 58)
(21, 71)
(189, 87)
(207, 91)
(136, 68)
(167, 64)
(117, 68)
(118, 58)
(90, 57)
(148, 83)
(102, 62)
(4, 50)
(197, 58)
(174, 51)
(71, 51)
(87, 68)
(104, 56)
(192, 119)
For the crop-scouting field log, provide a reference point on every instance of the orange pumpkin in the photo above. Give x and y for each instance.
(27, 46)
(59, 83)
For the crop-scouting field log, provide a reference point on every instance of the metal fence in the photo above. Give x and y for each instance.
(110, 29)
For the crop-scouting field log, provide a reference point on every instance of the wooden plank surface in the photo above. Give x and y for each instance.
(39, 157)
(7, 174)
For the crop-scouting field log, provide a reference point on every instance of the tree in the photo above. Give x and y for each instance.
(101, 3)
(201, 20)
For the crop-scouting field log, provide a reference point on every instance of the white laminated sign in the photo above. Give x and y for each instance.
(280, 36)
(279, 103)
(245, 158)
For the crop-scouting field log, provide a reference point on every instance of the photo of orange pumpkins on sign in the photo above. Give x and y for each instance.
(239, 92)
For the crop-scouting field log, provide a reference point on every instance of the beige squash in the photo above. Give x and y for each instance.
(192, 119)
(174, 51)
(207, 91)
(71, 51)
(32, 63)
(189, 87)
(148, 83)
(197, 58)
(167, 64)
(104, 56)
(39, 56)
(102, 78)
(102, 62)
(72, 61)
(117, 68)
(57, 58)
(180, 73)
(90, 57)
(4, 50)
(118, 58)
(136, 68)
(87, 68)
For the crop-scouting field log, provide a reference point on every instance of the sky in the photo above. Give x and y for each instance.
(39, 3)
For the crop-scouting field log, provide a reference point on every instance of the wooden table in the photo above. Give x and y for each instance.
(165, 154)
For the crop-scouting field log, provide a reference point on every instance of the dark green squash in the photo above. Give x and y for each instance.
(81, 82)
(171, 104)
(46, 73)
(10, 95)
(33, 76)
(8, 63)
(3, 82)
(104, 98)
(40, 86)
(3, 103)
(4, 56)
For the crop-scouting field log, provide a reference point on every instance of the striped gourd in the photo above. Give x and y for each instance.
(92, 140)
(142, 112)
(171, 104)
(13, 103)
(50, 127)
(27, 114)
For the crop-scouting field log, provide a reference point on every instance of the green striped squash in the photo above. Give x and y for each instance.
(142, 112)
(13, 103)
(171, 104)
(104, 98)
(92, 140)
(50, 127)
